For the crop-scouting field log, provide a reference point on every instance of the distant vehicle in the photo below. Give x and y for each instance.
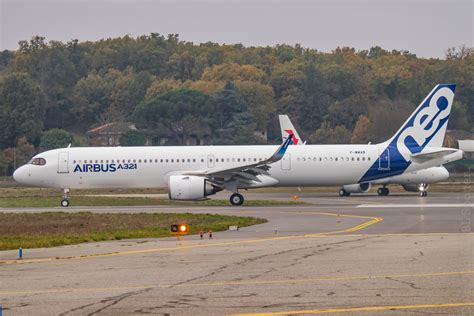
(195, 172)
(415, 181)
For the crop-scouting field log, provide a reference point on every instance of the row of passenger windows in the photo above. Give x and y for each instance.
(169, 160)
(308, 159)
(189, 160)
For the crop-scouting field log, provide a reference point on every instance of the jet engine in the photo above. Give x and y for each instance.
(357, 188)
(182, 187)
(422, 187)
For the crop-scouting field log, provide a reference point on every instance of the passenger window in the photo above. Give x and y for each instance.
(358, 158)
(352, 158)
(336, 158)
(368, 158)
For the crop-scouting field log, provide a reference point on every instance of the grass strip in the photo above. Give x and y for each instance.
(51, 229)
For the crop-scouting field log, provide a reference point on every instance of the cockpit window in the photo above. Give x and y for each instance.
(38, 161)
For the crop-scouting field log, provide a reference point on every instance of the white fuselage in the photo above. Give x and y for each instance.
(151, 167)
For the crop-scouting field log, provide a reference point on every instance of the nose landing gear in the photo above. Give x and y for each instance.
(65, 200)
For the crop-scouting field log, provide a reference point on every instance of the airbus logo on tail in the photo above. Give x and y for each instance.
(292, 135)
(426, 123)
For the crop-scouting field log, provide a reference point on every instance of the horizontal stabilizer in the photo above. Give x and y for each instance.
(432, 153)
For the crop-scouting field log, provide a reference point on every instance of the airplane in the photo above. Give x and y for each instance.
(416, 181)
(196, 172)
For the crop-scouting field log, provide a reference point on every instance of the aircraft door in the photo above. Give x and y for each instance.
(63, 162)
(384, 159)
(286, 162)
(210, 161)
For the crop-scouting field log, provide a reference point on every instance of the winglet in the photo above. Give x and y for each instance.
(280, 152)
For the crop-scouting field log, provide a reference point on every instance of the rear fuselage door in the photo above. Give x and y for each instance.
(63, 162)
(384, 159)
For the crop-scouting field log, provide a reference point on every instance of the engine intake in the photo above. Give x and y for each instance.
(357, 188)
(190, 188)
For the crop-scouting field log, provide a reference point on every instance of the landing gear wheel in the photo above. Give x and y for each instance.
(423, 193)
(236, 199)
(383, 191)
(64, 203)
(343, 192)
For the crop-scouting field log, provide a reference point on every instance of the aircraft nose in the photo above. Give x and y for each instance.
(21, 174)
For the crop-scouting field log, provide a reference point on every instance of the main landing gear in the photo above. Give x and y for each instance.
(383, 191)
(423, 193)
(236, 199)
(65, 200)
(343, 192)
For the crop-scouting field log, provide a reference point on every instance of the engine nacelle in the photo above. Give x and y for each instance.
(357, 188)
(422, 187)
(183, 187)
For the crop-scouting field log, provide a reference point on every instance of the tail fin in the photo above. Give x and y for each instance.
(287, 128)
(426, 127)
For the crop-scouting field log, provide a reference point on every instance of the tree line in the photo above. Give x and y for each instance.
(172, 88)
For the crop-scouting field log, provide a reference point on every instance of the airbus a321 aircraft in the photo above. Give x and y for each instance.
(416, 181)
(195, 172)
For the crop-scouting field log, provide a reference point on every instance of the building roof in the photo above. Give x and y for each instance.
(111, 128)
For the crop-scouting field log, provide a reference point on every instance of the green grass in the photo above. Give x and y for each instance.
(51, 229)
(49, 201)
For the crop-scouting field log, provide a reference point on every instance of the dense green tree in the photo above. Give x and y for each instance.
(230, 116)
(55, 138)
(22, 109)
(170, 114)
(132, 138)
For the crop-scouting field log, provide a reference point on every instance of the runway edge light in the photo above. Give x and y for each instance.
(179, 229)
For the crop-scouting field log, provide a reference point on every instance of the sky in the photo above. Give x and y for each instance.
(424, 27)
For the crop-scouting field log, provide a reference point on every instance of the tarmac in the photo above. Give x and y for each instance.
(368, 255)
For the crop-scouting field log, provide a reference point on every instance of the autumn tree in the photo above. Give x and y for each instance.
(22, 109)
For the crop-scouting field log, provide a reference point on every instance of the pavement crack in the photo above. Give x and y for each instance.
(411, 284)
(117, 299)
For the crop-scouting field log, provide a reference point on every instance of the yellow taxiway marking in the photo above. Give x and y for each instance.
(372, 221)
(361, 309)
(241, 283)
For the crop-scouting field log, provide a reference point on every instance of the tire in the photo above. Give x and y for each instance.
(386, 191)
(343, 192)
(64, 203)
(423, 193)
(236, 199)
(381, 191)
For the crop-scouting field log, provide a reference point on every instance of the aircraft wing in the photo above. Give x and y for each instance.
(247, 173)
(433, 154)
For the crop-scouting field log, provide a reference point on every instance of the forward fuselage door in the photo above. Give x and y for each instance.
(384, 159)
(286, 162)
(63, 162)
